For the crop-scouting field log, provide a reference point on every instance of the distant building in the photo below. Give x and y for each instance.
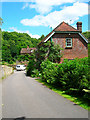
(70, 39)
(27, 50)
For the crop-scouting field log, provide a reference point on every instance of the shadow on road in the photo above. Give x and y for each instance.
(20, 118)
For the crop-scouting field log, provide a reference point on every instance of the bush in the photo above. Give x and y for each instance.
(49, 72)
(35, 73)
(74, 74)
(23, 57)
(31, 65)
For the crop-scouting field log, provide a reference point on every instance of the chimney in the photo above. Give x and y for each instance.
(79, 26)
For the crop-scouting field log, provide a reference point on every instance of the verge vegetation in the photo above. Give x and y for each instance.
(70, 78)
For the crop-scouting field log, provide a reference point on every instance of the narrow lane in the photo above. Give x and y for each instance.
(24, 96)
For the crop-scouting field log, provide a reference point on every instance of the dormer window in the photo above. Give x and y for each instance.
(68, 42)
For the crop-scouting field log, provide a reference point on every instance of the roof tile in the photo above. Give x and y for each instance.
(65, 27)
(61, 27)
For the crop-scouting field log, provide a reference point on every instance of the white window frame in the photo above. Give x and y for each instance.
(68, 46)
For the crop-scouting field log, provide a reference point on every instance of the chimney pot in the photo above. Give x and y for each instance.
(79, 26)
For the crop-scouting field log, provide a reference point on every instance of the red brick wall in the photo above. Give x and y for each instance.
(79, 46)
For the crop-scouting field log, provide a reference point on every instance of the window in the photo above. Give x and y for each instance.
(68, 42)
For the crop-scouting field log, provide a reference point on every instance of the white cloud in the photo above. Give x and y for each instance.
(45, 6)
(53, 19)
(25, 6)
(20, 31)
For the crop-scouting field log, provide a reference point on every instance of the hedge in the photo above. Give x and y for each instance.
(71, 75)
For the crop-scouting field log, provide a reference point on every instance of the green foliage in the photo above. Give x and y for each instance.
(72, 76)
(35, 73)
(54, 53)
(49, 72)
(13, 42)
(1, 21)
(44, 51)
(48, 50)
(87, 35)
(31, 65)
(41, 53)
(42, 37)
(23, 57)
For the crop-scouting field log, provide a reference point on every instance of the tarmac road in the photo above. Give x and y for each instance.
(24, 96)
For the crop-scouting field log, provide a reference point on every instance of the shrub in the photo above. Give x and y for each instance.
(70, 75)
(31, 65)
(49, 72)
(74, 74)
(35, 73)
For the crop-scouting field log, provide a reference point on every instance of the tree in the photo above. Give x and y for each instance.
(54, 54)
(14, 42)
(42, 37)
(1, 21)
(31, 65)
(24, 57)
(87, 34)
(48, 50)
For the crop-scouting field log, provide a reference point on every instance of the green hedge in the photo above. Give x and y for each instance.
(72, 76)
(49, 72)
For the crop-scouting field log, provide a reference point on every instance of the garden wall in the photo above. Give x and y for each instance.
(5, 71)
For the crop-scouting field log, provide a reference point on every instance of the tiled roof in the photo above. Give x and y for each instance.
(63, 27)
(27, 50)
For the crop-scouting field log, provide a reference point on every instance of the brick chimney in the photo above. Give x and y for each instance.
(79, 26)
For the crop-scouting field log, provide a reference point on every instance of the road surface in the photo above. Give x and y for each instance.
(24, 96)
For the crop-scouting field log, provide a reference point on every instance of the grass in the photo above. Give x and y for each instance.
(82, 102)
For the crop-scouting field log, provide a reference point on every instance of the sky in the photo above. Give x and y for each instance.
(36, 17)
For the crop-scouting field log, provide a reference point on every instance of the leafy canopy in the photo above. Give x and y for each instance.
(13, 42)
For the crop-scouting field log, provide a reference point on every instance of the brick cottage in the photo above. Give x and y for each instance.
(70, 39)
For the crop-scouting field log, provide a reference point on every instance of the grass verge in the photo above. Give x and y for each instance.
(77, 100)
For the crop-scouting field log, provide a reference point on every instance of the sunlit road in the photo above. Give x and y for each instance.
(24, 96)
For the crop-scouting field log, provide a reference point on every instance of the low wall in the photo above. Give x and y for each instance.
(5, 71)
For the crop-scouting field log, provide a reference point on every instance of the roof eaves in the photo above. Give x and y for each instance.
(66, 31)
(83, 37)
(49, 37)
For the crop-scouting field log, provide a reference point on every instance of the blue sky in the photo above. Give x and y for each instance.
(35, 17)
